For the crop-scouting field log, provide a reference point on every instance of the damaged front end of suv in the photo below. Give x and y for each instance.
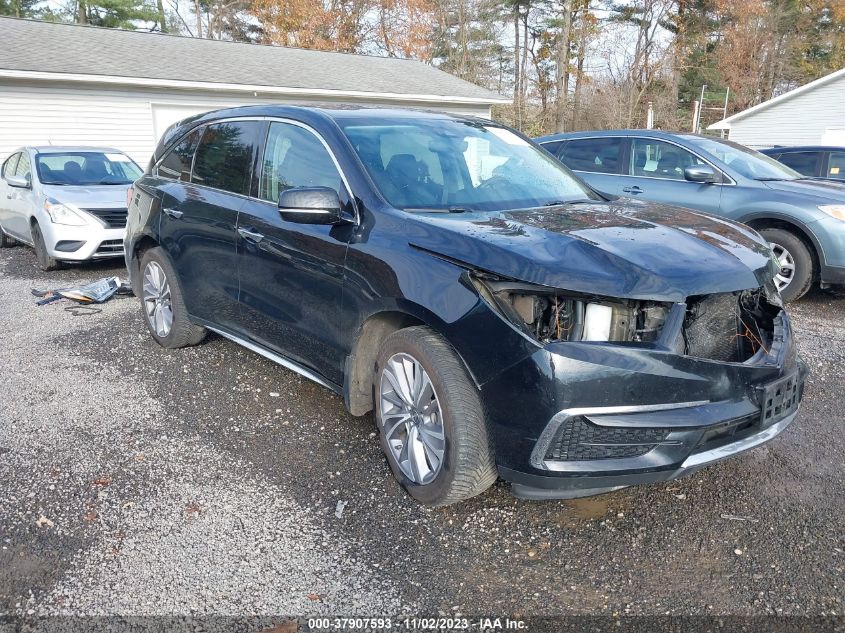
(629, 391)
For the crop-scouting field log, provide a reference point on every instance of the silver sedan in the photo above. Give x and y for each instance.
(68, 203)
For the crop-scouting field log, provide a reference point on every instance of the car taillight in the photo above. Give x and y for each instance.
(130, 193)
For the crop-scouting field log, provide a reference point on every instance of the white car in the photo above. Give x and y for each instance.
(69, 203)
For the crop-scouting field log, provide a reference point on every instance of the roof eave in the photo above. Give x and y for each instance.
(241, 88)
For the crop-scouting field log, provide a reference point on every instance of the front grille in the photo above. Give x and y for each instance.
(114, 218)
(110, 247)
(578, 439)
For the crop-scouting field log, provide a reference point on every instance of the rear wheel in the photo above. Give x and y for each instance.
(162, 303)
(45, 261)
(430, 418)
(795, 275)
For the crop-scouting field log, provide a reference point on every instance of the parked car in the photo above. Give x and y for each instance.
(802, 219)
(812, 161)
(497, 315)
(69, 203)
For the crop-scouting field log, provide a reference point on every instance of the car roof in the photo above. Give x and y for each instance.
(803, 148)
(63, 149)
(657, 134)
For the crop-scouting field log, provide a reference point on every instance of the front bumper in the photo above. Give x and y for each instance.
(81, 243)
(595, 417)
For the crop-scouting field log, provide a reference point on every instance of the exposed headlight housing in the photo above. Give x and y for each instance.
(547, 314)
(833, 210)
(62, 214)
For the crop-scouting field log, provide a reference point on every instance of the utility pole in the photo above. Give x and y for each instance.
(697, 129)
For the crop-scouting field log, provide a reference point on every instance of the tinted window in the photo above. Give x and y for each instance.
(593, 154)
(10, 165)
(804, 163)
(86, 168)
(745, 161)
(552, 147)
(225, 154)
(294, 157)
(656, 159)
(177, 162)
(836, 165)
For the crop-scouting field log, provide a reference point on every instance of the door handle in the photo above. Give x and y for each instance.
(634, 189)
(250, 236)
(173, 213)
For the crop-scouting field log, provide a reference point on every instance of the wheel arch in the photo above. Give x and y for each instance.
(360, 363)
(773, 221)
(139, 247)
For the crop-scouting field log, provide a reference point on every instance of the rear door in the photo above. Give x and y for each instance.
(199, 213)
(598, 160)
(655, 172)
(291, 275)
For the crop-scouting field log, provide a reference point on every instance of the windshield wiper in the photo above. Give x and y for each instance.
(775, 179)
(454, 209)
(560, 203)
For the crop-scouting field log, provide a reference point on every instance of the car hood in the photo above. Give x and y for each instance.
(627, 249)
(94, 197)
(827, 190)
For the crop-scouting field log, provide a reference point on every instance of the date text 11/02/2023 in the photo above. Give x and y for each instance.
(416, 624)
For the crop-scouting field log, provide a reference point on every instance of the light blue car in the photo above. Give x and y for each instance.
(803, 219)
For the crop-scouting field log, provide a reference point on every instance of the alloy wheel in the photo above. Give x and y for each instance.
(411, 419)
(156, 295)
(786, 272)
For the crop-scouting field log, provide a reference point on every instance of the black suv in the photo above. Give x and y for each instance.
(497, 315)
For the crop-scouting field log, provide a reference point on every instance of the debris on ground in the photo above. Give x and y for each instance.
(98, 291)
(44, 522)
(736, 517)
(338, 510)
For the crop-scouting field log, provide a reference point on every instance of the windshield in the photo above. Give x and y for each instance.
(746, 161)
(447, 164)
(86, 168)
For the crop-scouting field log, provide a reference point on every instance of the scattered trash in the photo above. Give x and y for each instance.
(338, 510)
(44, 522)
(738, 552)
(102, 481)
(736, 517)
(314, 597)
(193, 508)
(98, 291)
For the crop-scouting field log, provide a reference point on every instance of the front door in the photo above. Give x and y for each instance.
(18, 201)
(199, 212)
(656, 173)
(291, 275)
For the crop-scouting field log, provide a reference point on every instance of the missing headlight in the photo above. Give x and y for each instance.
(552, 315)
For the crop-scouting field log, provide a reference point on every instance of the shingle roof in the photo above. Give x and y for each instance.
(83, 50)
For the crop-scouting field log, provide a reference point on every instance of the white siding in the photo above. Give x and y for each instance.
(38, 113)
(799, 120)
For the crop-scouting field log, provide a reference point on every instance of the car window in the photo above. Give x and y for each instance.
(24, 167)
(836, 165)
(86, 168)
(10, 164)
(601, 155)
(804, 163)
(745, 161)
(658, 159)
(295, 157)
(177, 162)
(552, 147)
(225, 154)
(443, 164)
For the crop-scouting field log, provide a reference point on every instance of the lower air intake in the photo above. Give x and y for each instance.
(578, 439)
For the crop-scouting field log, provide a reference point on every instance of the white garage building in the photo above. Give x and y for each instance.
(81, 85)
(813, 114)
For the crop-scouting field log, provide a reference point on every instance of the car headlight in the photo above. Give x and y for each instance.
(547, 314)
(62, 214)
(833, 210)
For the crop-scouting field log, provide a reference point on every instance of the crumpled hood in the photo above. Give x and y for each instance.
(94, 197)
(823, 190)
(626, 249)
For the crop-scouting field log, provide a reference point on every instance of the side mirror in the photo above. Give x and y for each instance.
(310, 205)
(22, 182)
(700, 173)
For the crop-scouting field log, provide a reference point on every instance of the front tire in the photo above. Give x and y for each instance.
(796, 273)
(431, 420)
(162, 303)
(45, 261)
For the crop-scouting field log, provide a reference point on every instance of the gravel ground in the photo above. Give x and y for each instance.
(141, 481)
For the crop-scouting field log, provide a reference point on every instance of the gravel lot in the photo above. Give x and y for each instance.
(140, 481)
